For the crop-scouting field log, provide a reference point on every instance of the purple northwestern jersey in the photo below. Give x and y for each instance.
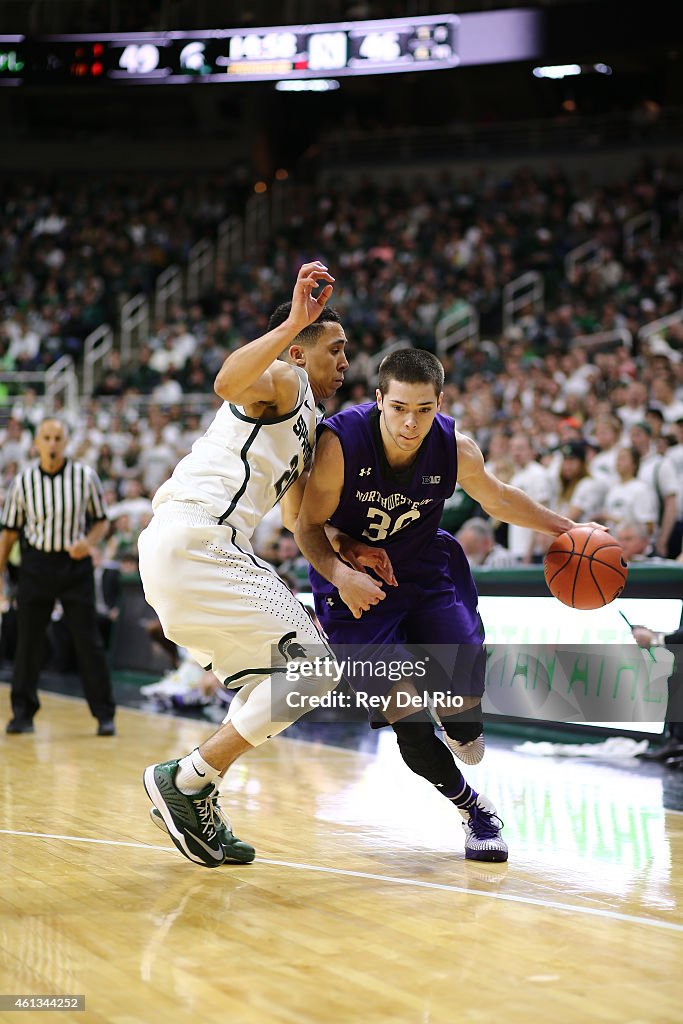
(400, 511)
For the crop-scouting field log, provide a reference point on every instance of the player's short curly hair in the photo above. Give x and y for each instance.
(310, 334)
(411, 366)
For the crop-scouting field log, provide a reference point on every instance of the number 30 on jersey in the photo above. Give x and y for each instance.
(381, 526)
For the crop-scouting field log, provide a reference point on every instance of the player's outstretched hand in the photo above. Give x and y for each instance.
(307, 307)
(590, 526)
(363, 556)
(359, 592)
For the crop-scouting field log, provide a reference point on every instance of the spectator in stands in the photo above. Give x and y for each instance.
(635, 541)
(629, 499)
(169, 389)
(532, 478)
(607, 432)
(112, 383)
(358, 393)
(664, 396)
(477, 540)
(171, 356)
(449, 248)
(289, 561)
(634, 409)
(194, 377)
(190, 430)
(579, 495)
(143, 377)
(156, 462)
(15, 443)
(24, 342)
(29, 410)
(659, 473)
(135, 504)
(122, 540)
(655, 420)
(675, 455)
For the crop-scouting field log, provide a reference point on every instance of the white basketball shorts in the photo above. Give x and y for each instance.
(213, 596)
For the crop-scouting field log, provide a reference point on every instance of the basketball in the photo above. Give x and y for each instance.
(585, 568)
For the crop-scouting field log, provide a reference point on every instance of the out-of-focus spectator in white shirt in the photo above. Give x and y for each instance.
(577, 494)
(635, 541)
(629, 498)
(15, 443)
(135, 504)
(28, 409)
(479, 544)
(664, 396)
(634, 409)
(531, 477)
(24, 342)
(168, 390)
(659, 473)
(157, 461)
(607, 435)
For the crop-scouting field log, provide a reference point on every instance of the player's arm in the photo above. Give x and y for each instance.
(253, 374)
(320, 500)
(290, 503)
(501, 501)
(290, 506)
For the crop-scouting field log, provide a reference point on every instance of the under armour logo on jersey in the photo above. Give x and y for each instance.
(329, 601)
(431, 479)
(366, 471)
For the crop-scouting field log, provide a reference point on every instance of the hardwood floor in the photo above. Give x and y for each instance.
(359, 906)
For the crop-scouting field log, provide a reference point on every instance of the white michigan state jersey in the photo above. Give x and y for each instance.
(242, 466)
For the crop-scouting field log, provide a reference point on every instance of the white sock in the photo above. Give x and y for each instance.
(194, 773)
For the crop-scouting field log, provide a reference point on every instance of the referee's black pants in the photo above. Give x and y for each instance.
(44, 578)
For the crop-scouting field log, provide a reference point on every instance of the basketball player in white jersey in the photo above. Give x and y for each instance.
(212, 594)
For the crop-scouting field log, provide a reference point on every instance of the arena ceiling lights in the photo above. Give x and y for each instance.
(568, 70)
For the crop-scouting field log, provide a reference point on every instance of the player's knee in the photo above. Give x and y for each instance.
(467, 725)
(416, 743)
(427, 756)
(463, 732)
(317, 685)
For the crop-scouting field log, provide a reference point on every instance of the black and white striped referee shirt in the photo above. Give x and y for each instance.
(53, 510)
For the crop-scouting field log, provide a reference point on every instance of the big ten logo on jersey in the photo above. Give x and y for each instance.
(300, 431)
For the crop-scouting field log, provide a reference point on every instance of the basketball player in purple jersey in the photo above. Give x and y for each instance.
(380, 477)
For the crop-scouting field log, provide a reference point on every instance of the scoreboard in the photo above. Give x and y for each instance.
(224, 55)
(273, 53)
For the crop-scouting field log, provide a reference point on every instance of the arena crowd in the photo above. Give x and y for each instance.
(561, 405)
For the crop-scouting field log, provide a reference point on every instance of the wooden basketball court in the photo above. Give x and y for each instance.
(359, 906)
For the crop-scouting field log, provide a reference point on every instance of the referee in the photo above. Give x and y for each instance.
(57, 508)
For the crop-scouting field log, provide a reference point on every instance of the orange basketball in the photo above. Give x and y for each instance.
(585, 568)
